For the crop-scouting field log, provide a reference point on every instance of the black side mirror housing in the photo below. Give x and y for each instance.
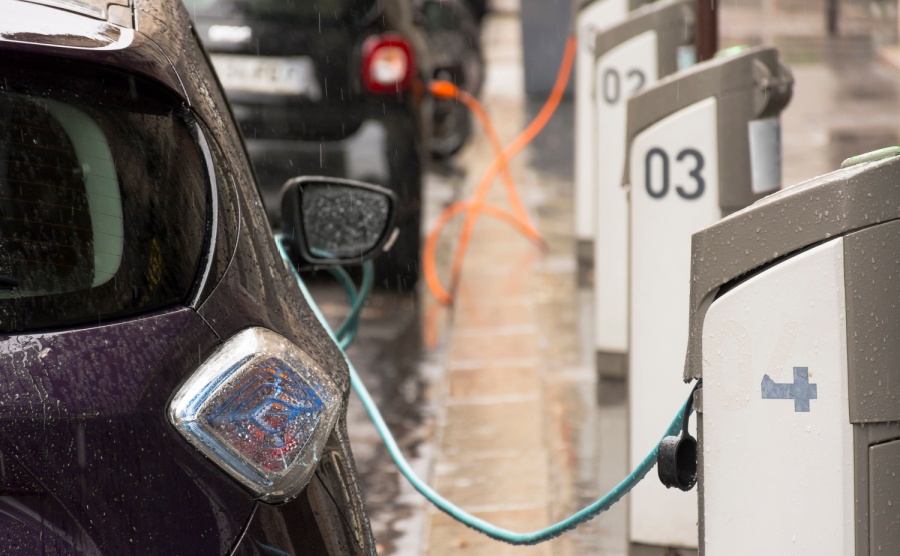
(336, 221)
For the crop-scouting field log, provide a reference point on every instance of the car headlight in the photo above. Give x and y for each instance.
(262, 410)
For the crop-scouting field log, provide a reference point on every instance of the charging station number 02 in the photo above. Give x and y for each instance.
(611, 84)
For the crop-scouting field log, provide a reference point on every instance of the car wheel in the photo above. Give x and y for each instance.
(452, 129)
(479, 8)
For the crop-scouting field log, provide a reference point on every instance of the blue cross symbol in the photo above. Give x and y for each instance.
(801, 391)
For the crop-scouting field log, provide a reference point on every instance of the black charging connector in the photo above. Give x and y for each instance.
(676, 460)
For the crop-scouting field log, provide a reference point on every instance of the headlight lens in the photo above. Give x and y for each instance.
(262, 410)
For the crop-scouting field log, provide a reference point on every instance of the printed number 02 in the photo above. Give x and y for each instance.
(660, 192)
(612, 84)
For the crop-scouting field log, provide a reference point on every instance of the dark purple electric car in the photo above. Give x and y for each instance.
(166, 388)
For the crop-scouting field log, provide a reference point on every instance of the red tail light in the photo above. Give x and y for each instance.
(388, 64)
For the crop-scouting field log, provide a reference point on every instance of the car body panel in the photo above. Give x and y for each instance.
(97, 441)
(83, 409)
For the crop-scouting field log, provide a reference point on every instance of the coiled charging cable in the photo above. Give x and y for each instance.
(348, 328)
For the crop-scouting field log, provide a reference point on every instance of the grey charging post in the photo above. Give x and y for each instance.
(652, 42)
(702, 143)
(795, 331)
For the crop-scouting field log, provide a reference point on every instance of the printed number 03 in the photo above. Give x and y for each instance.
(663, 189)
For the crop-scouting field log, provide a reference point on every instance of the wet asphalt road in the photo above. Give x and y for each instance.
(394, 367)
(389, 356)
(398, 353)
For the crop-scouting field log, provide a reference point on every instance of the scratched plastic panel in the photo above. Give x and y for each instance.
(267, 415)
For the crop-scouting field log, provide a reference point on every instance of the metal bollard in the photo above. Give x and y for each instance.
(703, 143)
(795, 330)
(650, 44)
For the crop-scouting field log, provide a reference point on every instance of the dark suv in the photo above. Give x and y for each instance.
(333, 87)
(166, 388)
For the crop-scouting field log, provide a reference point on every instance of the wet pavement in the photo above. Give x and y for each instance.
(496, 402)
(389, 357)
(518, 438)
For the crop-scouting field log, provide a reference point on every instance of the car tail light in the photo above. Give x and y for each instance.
(388, 64)
(262, 410)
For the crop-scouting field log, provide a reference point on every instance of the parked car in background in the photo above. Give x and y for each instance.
(479, 7)
(453, 34)
(166, 388)
(333, 87)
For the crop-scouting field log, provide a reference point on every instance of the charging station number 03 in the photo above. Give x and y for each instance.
(657, 183)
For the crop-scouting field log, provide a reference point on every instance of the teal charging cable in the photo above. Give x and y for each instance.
(346, 332)
(357, 299)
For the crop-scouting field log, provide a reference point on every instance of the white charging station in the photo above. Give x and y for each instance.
(630, 56)
(690, 161)
(592, 17)
(794, 329)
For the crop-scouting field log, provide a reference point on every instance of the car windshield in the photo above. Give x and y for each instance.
(322, 11)
(103, 196)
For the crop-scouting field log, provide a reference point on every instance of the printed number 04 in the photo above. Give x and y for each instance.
(663, 189)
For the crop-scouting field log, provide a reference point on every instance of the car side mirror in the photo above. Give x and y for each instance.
(336, 221)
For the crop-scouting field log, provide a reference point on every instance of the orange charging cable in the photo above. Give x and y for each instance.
(473, 208)
(519, 216)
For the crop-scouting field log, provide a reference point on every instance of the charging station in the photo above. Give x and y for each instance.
(594, 20)
(591, 18)
(795, 331)
(652, 42)
(703, 143)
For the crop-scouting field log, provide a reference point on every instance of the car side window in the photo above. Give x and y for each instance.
(62, 211)
(104, 196)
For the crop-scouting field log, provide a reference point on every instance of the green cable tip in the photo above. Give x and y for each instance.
(732, 50)
(880, 154)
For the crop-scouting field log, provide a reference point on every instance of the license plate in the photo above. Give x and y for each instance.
(267, 75)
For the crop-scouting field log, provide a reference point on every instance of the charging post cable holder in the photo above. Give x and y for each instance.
(676, 461)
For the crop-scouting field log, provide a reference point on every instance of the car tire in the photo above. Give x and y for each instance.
(458, 58)
(479, 8)
(452, 129)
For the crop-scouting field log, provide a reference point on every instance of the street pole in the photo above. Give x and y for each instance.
(832, 17)
(707, 29)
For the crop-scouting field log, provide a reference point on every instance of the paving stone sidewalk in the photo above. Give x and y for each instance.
(519, 395)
